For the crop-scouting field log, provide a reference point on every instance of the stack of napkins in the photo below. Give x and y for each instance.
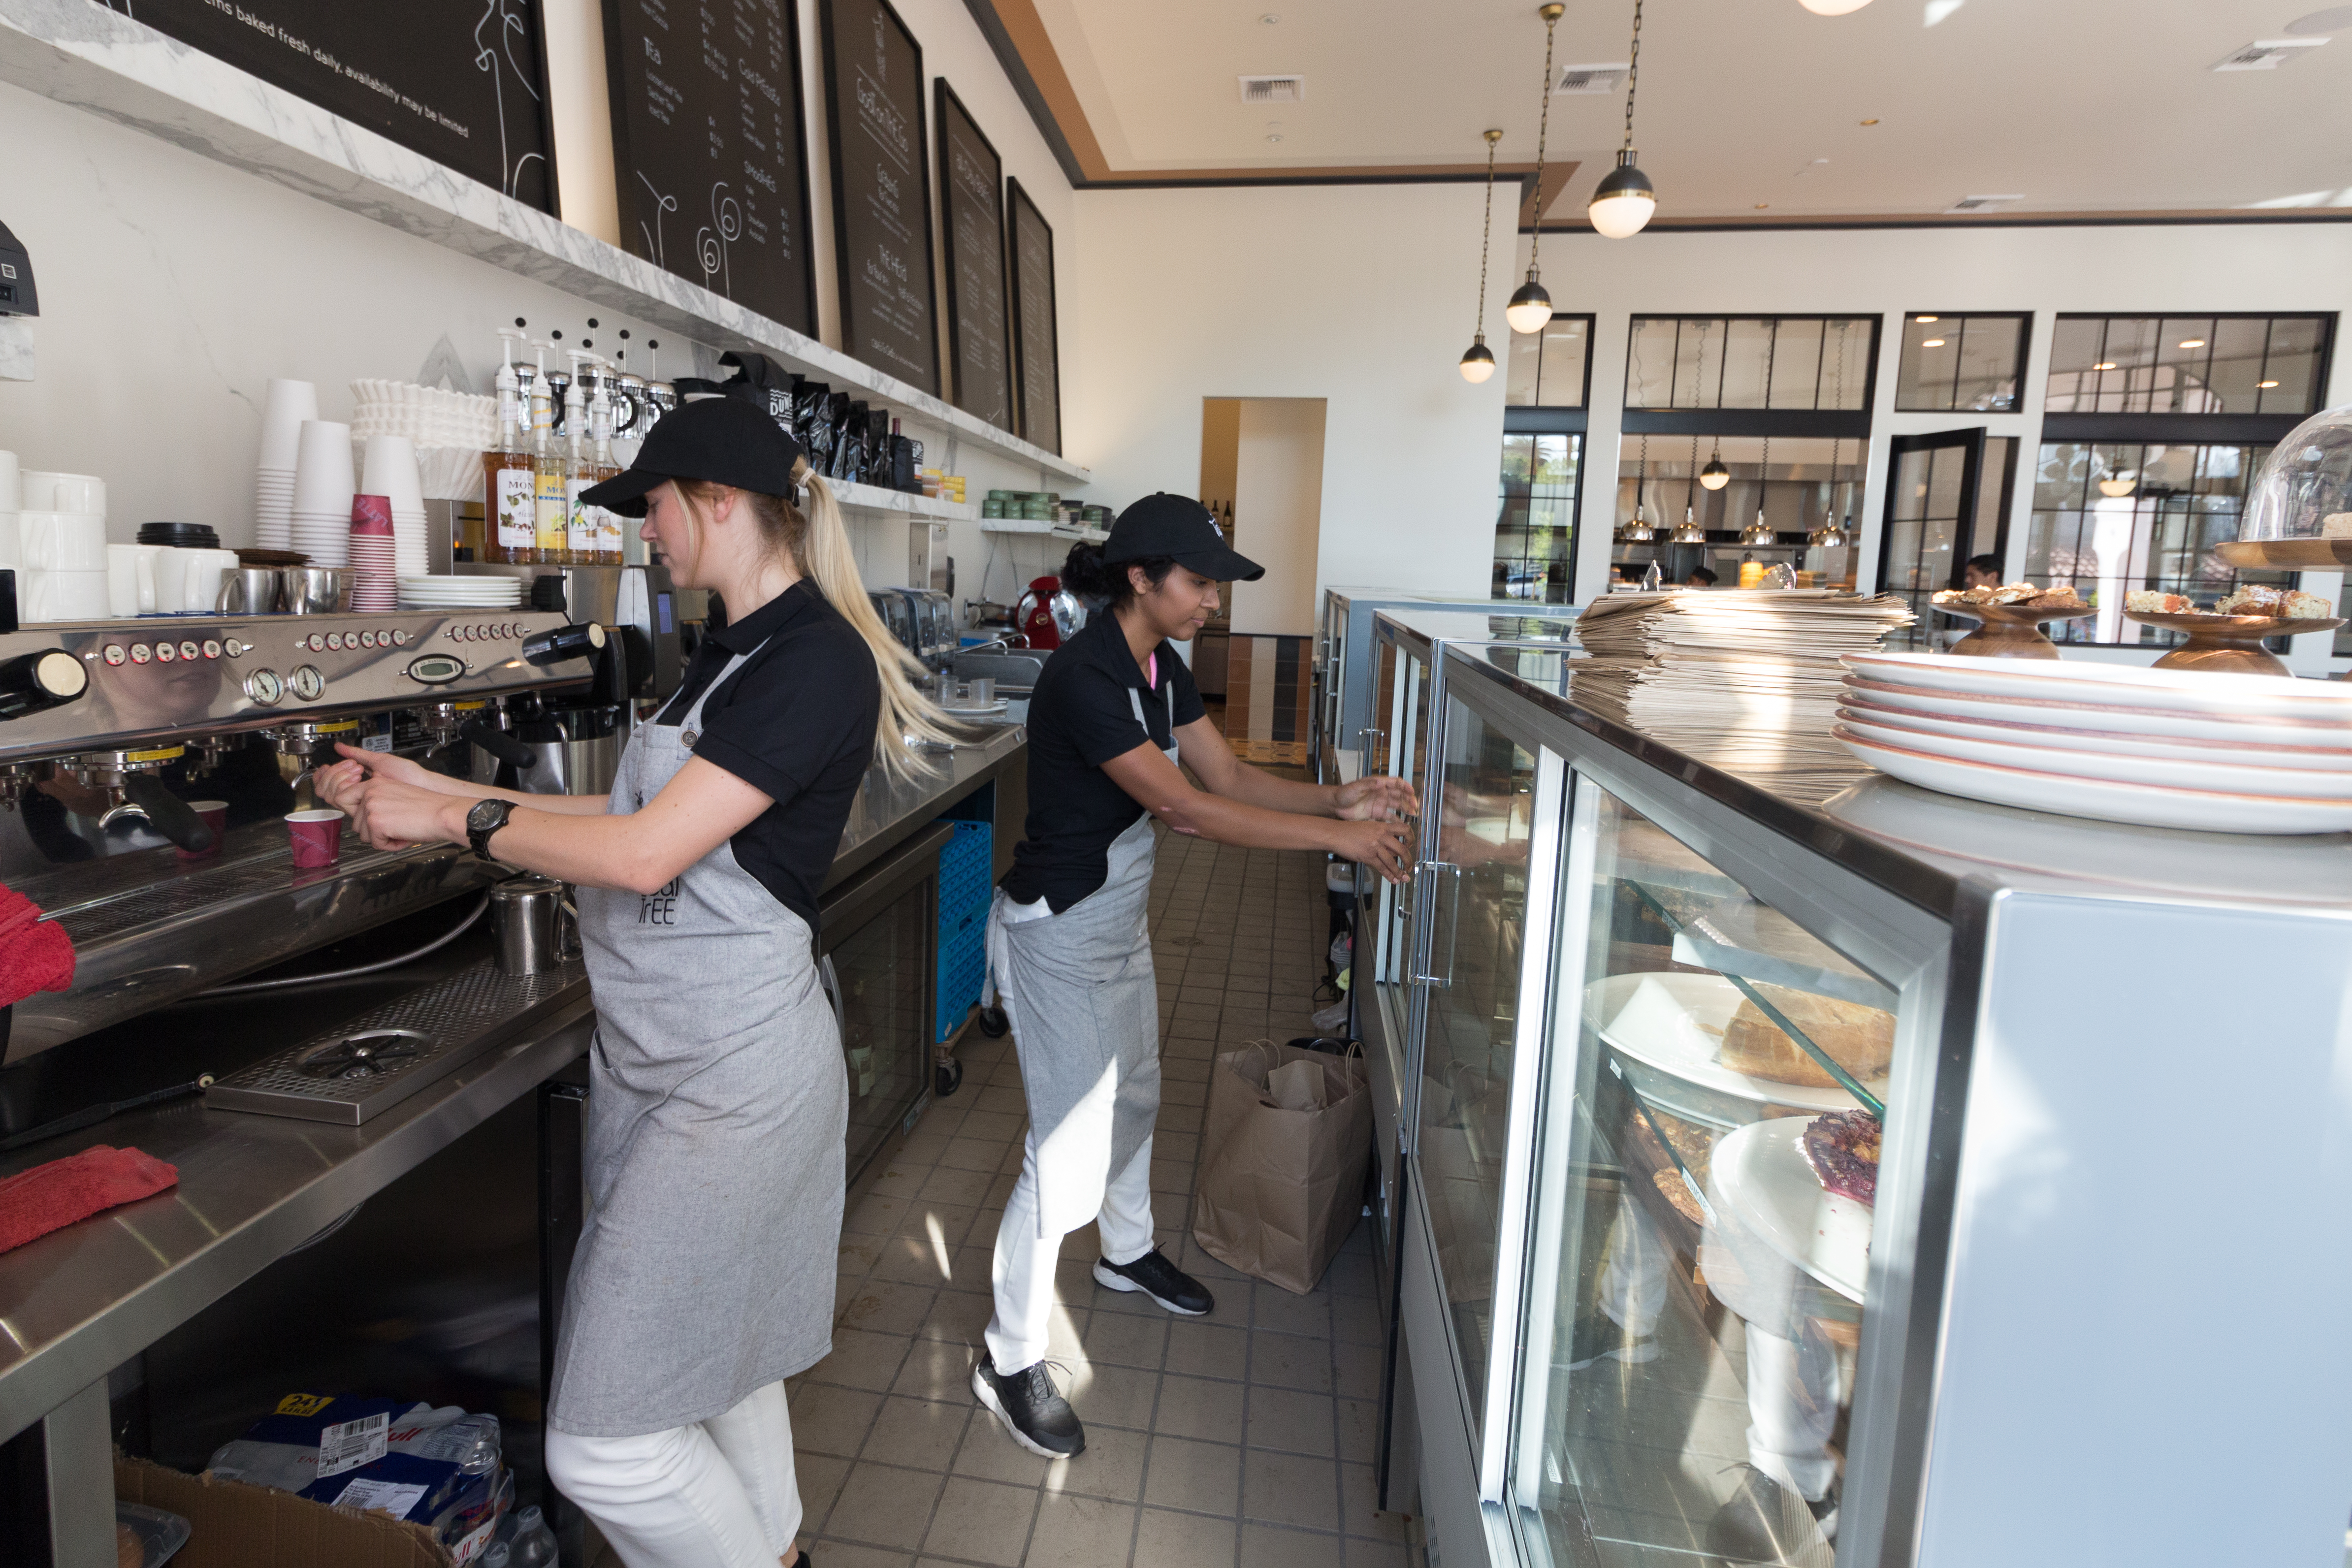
(1747, 680)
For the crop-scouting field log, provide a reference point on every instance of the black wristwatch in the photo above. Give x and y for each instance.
(486, 817)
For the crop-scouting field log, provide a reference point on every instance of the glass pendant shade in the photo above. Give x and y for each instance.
(1624, 201)
(1832, 7)
(2118, 486)
(1477, 362)
(1715, 476)
(1530, 308)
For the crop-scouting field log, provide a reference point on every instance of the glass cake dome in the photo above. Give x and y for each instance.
(2299, 512)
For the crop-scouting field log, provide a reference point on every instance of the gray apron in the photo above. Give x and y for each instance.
(718, 1108)
(1084, 1002)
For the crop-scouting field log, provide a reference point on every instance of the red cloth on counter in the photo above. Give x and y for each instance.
(51, 1197)
(36, 955)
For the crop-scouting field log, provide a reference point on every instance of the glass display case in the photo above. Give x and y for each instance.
(1776, 1183)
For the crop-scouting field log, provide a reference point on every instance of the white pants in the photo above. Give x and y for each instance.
(1024, 1268)
(717, 1494)
(1793, 1389)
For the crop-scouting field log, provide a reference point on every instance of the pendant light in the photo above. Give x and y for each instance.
(1624, 199)
(1715, 476)
(1688, 532)
(1530, 307)
(1759, 532)
(1832, 7)
(1478, 361)
(2116, 485)
(1639, 531)
(1832, 534)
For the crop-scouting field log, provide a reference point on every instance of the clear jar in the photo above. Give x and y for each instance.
(2304, 490)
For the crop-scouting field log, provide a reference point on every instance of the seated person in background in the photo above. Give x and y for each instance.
(1700, 577)
(1982, 572)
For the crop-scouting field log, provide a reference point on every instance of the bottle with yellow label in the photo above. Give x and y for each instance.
(602, 466)
(579, 521)
(507, 474)
(552, 508)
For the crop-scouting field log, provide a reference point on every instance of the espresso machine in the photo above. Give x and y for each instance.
(147, 767)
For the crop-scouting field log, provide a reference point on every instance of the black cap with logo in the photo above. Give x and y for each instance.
(725, 440)
(1181, 529)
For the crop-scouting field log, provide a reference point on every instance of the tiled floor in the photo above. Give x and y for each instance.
(1242, 1439)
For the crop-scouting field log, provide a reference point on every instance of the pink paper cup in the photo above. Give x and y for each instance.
(318, 837)
(372, 514)
(216, 817)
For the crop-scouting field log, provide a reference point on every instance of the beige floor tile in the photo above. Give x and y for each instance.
(998, 1100)
(1197, 1407)
(1291, 1489)
(829, 1420)
(1195, 1260)
(874, 1215)
(1081, 1533)
(1370, 1554)
(1359, 1429)
(1172, 1093)
(990, 1453)
(929, 1217)
(1267, 1546)
(1186, 1069)
(959, 1317)
(1290, 1360)
(972, 1264)
(1168, 1539)
(1171, 1175)
(1120, 1339)
(1066, 1336)
(1206, 1477)
(1355, 1320)
(1272, 1307)
(995, 1126)
(946, 1185)
(1351, 1274)
(898, 1179)
(1291, 1420)
(882, 1505)
(1176, 1146)
(1113, 1396)
(921, 1433)
(842, 1554)
(862, 1360)
(981, 1522)
(973, 1155)
(886, 1306)
(910, 1260)
(1207, 1349)
(1357, 1371)
(1359, 1513)
(819, 1478)
(936, 1369)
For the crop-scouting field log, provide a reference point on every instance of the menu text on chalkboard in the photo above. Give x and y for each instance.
(709, 147)
(881, 190)
(1036, 353)
(972, 222)
(464, 82)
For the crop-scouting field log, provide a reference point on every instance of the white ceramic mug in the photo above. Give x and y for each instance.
(131, 578)
(12, 487)
(62, 595)
(49, 492)
(61, 541)
(189, 580)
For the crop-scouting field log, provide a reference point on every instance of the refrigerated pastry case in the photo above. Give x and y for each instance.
(1657, 1302)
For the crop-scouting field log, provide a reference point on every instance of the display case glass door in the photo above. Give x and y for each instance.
(1703, 1214)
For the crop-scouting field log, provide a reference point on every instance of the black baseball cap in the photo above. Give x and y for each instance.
(1180, 528)
(722, 439)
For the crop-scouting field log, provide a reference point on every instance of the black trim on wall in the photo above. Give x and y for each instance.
(2182, 428)
(1523, 419)
(1848, 424)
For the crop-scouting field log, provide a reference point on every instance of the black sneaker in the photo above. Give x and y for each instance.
(1764, 1521)
(1032, 1409)
(1597, 1336)
(1158, 1278)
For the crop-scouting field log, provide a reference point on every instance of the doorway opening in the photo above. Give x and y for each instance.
(1262, 473)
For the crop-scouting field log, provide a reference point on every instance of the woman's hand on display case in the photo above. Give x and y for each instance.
(1381, 845)
(1376, 798)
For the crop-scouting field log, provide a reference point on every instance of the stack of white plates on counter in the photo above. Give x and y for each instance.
(2165, 749)
(325, 484)
(421, 592)
(289, 403)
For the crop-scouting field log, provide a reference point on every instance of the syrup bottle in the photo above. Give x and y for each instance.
(550, 508)
(508, 475)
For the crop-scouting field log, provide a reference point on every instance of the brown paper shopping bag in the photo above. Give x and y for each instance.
(1280, 1187)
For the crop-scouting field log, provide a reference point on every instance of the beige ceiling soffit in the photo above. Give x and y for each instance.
(1706, 224)
(1564, 173)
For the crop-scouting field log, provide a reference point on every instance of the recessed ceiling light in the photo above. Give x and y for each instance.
(2192, 342)
(1871, 121)
(1932, 343)
(2266, 384)
(1761, 205)
(1270, 18)
(1924, 317)
(2105, 365)
(1276, 137)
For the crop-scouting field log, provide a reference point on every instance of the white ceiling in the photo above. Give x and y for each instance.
(1748, 109)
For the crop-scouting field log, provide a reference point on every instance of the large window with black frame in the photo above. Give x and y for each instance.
(1743, 448)
(1545, 389)
(2153, 428)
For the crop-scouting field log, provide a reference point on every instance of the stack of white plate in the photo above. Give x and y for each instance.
(2166, 748)
(459, 592)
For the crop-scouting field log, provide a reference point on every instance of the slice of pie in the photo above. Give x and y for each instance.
(1843, 1148)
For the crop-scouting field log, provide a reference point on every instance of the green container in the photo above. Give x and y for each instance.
(992, 508)
(1002, 495)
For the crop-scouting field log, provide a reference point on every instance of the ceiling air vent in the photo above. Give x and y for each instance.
(2266, 54)
(1980, 203)
(1602, 78)
(1274, 90)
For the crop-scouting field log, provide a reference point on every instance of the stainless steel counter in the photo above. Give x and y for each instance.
(77, 1303)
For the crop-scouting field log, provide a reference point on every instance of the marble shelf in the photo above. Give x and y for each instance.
(77, 53)
(872, 498)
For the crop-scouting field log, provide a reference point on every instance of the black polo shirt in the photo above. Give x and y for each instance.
(1080, 716)
(796, 722)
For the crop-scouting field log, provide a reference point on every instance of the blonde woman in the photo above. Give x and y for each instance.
(718, 1100)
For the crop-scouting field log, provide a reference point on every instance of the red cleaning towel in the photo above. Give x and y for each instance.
(52, 1197)
(36, 955)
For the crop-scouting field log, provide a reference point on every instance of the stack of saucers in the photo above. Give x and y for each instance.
(288, 405)
(2166, 748)
(324, 487)
(374, 565)
(419, 592)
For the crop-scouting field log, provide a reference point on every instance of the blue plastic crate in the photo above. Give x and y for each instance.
(966, 889)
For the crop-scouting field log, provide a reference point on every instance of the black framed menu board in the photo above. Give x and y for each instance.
(971, 221)
(464, 82)
(1036, 359)
(711, 150)
(881, 190)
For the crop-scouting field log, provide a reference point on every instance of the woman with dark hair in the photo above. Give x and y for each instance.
(718, 1100)
(1068, 945)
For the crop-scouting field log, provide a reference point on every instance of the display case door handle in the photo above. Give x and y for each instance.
(1368, 735)
(1425, 967)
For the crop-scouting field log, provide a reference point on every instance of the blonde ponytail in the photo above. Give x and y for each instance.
(827, 560)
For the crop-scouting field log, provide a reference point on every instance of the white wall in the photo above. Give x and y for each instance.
(1361, 295)
(1277, 513)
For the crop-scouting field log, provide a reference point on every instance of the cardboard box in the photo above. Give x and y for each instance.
(240, 1526)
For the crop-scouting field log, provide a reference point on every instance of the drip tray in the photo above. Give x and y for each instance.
(369, 1064)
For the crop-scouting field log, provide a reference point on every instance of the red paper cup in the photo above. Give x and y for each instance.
(216, 817)
(371, 514)
(317, 836)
